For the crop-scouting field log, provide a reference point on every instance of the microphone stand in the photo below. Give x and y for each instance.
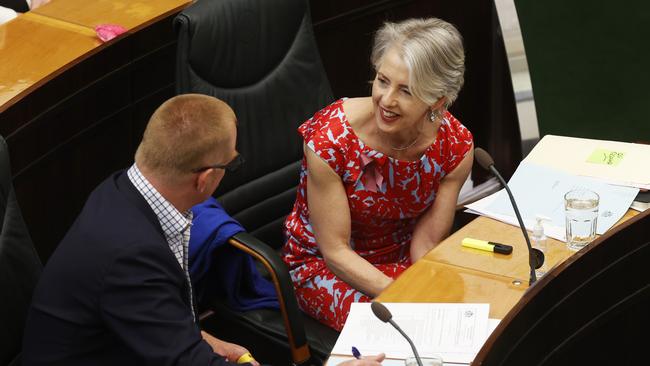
(531, 259)
(415, 351)
(382, 313)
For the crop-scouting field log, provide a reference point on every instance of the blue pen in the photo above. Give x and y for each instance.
(356, 353)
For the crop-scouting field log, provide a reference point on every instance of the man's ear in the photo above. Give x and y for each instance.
(202, 179)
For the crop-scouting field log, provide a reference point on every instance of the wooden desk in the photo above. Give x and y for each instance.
(451, 273)
(33, 49)
(130, 14)
(43, 43)
(428, 281)
(514, 265)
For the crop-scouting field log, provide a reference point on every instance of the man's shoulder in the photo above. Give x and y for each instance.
(116, 203)
(109, 194)
(112, 218)
(110, 228)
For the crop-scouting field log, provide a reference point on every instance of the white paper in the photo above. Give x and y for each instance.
(481, 207)
(335, 360)
(539, 190)
(571, 154)
(455, 332)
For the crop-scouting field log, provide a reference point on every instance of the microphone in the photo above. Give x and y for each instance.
(535, 256)
(385, 316)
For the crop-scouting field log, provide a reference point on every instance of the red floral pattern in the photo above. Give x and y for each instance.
(386, 197)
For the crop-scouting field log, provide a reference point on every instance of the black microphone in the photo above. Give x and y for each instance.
(535, 256)
(385, 316)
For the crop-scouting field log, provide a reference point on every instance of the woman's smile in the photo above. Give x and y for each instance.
(388, 116)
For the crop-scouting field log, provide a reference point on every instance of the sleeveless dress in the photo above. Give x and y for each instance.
(385, 195)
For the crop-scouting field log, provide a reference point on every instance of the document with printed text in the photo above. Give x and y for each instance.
(455, 332)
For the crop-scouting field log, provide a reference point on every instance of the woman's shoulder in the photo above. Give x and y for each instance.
(357, 110)
(328, 128)
(453, 143)
(453, 129)
(328, 116)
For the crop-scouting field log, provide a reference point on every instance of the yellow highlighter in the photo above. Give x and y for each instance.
(487, 246)
(246, 357)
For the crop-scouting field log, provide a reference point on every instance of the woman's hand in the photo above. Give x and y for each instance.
(232, 352)
(365, 361)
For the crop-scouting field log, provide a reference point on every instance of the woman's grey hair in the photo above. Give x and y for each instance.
(433, 52)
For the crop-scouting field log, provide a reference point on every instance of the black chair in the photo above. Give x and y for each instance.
(261, 58)
(19, 267)
(590, 310)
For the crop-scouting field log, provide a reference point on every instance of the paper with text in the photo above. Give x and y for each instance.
(455, 332)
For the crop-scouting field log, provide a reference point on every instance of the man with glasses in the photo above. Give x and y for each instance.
(117, 291)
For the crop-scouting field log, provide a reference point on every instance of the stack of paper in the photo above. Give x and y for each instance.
(620, 163)
(540, 190)
(473, 194)
(455, 332)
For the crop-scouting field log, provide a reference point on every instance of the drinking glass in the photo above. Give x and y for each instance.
(581, 209)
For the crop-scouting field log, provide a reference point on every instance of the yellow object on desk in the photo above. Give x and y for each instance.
(487, 246)
(246, 357)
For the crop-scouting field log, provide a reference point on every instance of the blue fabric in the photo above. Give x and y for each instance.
(223, 271)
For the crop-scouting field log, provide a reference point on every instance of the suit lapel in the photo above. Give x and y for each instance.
(127, 188)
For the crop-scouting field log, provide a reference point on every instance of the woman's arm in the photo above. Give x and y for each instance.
(329, 215)
(435, 223)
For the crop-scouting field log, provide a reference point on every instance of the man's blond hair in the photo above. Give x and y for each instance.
(183, 133)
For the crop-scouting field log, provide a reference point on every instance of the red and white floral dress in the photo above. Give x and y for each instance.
(386, 196)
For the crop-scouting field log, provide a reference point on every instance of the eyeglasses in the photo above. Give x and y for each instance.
(231, 166)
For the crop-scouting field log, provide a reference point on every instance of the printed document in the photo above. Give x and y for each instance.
(456, 332)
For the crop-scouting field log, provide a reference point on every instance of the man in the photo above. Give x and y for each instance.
(116, 291)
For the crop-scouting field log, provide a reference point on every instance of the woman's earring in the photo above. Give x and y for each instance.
(434, 115)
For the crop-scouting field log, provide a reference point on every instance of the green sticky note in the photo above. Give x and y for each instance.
(607, 157)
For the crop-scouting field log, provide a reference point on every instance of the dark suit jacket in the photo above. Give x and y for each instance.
(113, 293)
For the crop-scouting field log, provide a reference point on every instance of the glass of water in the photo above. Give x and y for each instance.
(581, 209)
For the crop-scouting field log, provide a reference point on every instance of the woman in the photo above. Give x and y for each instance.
(381, 174)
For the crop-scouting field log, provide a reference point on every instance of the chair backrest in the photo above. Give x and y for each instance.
(261, 58)
(588, 66)
(590, 310)
(19, 266)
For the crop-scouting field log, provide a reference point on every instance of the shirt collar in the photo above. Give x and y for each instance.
(171, 220)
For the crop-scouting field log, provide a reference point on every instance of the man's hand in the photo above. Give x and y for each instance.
(365, 361)
(230, 351)
(37, 3)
